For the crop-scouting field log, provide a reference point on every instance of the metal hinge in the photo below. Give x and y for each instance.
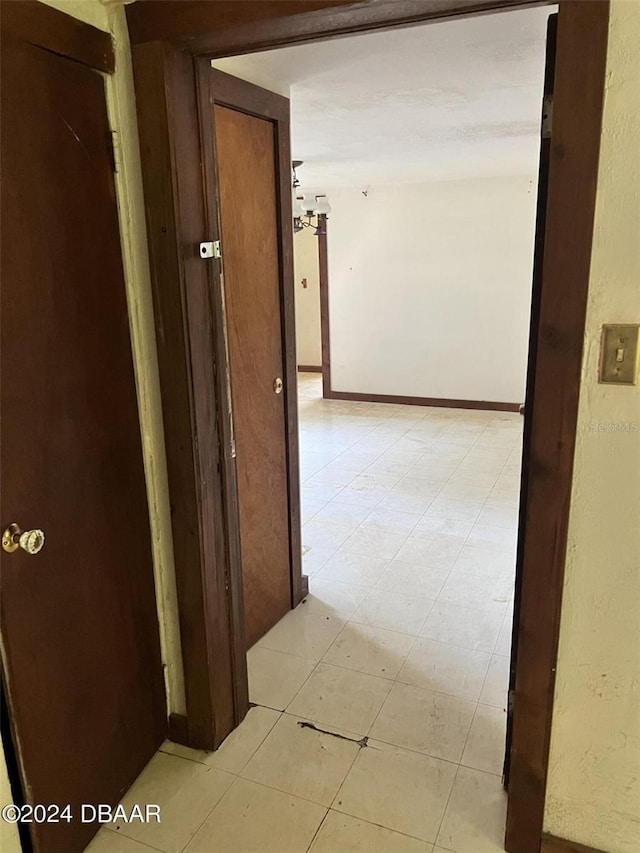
(547, 116)
(211, 249)
(511, 698)
(116, 151)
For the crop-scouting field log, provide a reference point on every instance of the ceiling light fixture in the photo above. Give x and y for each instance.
(309, 210)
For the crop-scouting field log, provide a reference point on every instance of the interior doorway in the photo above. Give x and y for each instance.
(409, 499)
(306, 266)
(533, 677)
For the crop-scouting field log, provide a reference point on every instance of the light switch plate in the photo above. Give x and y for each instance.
(619, 353)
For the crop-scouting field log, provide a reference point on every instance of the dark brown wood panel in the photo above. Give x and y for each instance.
(245, 155)
(534, 329)
(309, 368)
(190, 385)
(246, 27)
(79, 622)
(46, 27)
(234, 599)
(153, 20)
(573, 171)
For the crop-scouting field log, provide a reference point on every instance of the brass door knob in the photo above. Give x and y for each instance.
(277, 385)
(31, 541)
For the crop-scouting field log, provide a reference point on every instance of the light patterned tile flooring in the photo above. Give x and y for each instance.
(409, 533)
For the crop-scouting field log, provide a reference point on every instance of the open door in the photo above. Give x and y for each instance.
(80, 644)
(534, 325)
(252, 189)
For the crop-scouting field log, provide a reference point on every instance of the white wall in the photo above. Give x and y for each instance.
(247, 69)
(306, 265)
(593, 791)
(430, 288)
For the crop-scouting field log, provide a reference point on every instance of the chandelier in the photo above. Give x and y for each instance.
(309, 210)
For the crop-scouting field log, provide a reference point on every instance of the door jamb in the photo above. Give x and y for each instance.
(579, 94)
(188, 324)
(323, 279)
(555, 385)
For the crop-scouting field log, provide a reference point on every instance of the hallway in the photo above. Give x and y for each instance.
(401, 650)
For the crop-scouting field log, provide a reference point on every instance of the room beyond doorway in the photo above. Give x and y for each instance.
(409, 535)
(430, 169)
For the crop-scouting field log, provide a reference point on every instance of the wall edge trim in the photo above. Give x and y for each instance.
(440, 402)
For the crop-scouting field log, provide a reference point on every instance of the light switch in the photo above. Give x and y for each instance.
(619, 354)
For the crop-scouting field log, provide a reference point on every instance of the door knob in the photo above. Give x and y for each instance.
(30, 541)
(277, 385)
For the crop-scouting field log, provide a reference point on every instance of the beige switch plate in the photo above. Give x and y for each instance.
(619, 354)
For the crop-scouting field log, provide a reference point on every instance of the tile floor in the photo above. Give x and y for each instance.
(409, 535)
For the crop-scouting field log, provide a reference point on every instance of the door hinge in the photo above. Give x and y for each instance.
(547, 116)
(511, 698)
(116, 151)
(211, 249)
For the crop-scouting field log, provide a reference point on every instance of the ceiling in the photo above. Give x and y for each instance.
(444, 101)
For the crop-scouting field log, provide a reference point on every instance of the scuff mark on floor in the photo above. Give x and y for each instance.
(364, 741)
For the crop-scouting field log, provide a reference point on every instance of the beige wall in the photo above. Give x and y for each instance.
(306, 265)
(593, 793)
(122, 113)
(430, 287)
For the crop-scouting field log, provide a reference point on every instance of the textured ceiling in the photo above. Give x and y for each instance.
(434, 102)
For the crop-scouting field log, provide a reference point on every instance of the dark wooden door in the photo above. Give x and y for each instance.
(534, 327)
(248, 209)
(82, 660)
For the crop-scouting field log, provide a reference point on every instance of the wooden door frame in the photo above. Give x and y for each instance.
(166, 80)
(323, 285)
